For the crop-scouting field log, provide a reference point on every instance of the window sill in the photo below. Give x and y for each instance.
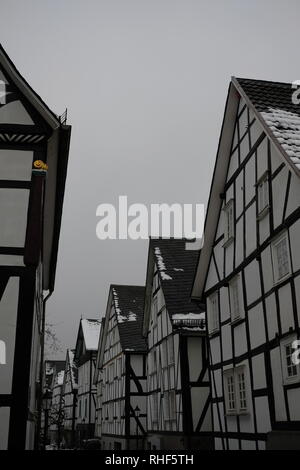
(282, 279)
(235, 413)
(291, 380)
(262, 214)
(214, 333)
(228, 242)
(237, 321)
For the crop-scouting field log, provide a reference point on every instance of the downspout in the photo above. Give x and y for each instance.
(90, 397)
(41, 374)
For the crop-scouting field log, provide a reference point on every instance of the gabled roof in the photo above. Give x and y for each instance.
(87, 337)
(12, 72)
(91, 331)
(280, 117)
(273, 107)
(57, 160)
(129, 307)
(59, 378)
(101, 336)
(176, 270)
(51, 368)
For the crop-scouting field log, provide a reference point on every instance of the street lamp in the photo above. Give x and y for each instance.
(137, 414)
(47, 398)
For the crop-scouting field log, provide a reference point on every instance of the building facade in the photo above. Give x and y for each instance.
(70, 389)
(85, 361)
(178, 388)
(56, 412)
(249, 270)
(121, 371)
(34, 146)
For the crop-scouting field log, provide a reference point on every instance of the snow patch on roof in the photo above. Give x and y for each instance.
(189, 316)
(121, 318)
(161, 265)
(132, 316)
(178, 269)
(285, 126)
(91, 331)
(59, 380)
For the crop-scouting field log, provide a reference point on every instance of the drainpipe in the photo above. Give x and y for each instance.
(41, 375)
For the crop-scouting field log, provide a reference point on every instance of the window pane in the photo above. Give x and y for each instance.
(231, 393)
(290, 366)
(242, 391)
(235, 299)
(282, 258)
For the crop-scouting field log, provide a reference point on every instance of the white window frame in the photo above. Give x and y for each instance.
(274, 244)
(289, 379)
(239, 393)
(263, 202)
(213, 313)
(235, 283)
(228, 222)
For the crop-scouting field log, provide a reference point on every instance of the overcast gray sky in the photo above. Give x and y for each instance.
(145, 83)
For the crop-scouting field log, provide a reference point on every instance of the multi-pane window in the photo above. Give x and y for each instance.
(290, 366)
(289, 358)
(213, 313)
(263, 193)
(236, 390)
(154, 407)
(231, 392)
(169, 404)
(281, 258)
(236, 308)
(228, 221)
(242, 389)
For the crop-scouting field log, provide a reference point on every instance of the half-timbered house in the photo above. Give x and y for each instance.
(122, 371)
(85, 361)
(249, 269)
(70, 389)
(98, 382)
(178, 407)
(56, 411)
(34, 146)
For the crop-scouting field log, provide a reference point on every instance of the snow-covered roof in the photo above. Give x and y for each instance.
(59, 379)
(91, 331)
(129, 307)
(176, 267)
(189, 321)
(280, 112)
